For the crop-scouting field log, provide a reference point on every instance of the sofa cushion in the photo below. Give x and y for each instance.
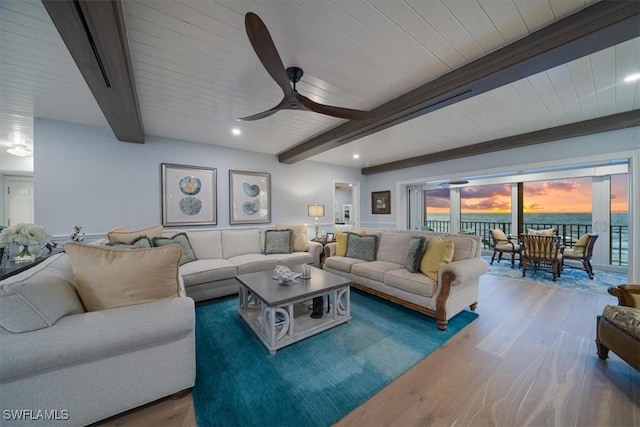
(547, 232)
(240, 242)
(250, 263)
(177, 239)
(207, 270)
(109, 277)
(392, 247)
(206, 244)
(625, 318)
(300, 239)
(343, 264)
(130, 236)
(294, 258)
(39, 298)
(362, 247)
(463, 247)
(578, 248)
(277, 242)
(415, 252)
(416, 283)
(439, 252)
(374, 270)
(138, 243)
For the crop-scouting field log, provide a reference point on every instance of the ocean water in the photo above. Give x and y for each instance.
(579, 222)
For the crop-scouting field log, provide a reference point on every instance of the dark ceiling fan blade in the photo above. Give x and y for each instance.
(267, 113)
(343, 113)
(266, 50)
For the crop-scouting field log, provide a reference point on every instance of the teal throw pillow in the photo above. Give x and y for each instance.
(362, 247)
(417, 246)
(178, 239)
(139, 243)
(277, 241)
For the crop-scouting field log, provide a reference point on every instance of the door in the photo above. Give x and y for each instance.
(19, 197)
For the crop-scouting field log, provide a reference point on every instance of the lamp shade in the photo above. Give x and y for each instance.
(316, 210)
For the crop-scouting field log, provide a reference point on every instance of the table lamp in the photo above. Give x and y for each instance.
(316, 211)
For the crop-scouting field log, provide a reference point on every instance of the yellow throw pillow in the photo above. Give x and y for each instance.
(108, 277)
(578, 248)
(130, 236)
(300, 240)
(439, 252)
(341, 246)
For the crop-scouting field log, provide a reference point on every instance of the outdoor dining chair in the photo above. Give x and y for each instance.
(541, 253)
(503, 244)
(582, 251)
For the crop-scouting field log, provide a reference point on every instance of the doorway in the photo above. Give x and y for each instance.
(346, 214)
(19, 200)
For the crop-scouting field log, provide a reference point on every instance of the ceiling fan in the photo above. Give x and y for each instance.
(266, 50)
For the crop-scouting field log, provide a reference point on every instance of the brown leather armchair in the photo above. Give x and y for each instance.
(618, 328)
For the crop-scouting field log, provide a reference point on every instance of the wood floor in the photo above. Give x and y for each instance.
(529, 359)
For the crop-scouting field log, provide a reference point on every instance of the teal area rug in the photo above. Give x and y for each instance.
(570, 279)
(314, 382)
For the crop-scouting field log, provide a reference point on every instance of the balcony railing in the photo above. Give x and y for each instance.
(568, 233)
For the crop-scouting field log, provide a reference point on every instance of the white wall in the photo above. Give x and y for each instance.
(84, 176)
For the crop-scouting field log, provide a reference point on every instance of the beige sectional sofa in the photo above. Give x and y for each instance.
(222, 254)
(457, 283)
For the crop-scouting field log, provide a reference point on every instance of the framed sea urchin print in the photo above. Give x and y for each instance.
(249, 197)
(189, 195)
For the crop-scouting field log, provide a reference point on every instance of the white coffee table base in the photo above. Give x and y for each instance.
(297, 324)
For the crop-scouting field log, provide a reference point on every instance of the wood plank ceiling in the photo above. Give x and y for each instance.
(195, 72)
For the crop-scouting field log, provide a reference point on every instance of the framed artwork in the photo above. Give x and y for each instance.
(380, 202)
(330, 237)
(189, 195)
(249, 197)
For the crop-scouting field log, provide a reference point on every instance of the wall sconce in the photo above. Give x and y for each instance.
(316, 211)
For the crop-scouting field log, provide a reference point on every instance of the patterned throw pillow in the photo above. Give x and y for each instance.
(178, 239)
(362, 247)
(417, 246)
(278, 241)
(439, 253)
(139, 243)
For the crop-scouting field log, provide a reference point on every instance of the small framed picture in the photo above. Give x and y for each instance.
(330, 237)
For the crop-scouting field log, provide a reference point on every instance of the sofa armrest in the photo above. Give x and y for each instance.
(465, 269)
(315, 249)
(95, 334)
(628, 295)
(330, 249)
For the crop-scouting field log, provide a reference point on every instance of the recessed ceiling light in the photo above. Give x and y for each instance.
(236, 131)
(356, 156)
(632, 77)
(20, 151)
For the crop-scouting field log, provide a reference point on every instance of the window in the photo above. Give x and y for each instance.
(437, 207)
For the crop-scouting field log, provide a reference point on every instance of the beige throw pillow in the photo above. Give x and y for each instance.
(439, 252)
(130, 236)
(108, 277)
(300, 242)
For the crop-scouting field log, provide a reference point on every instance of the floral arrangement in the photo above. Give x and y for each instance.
(25, 235)
(284, 274)
(75, 235)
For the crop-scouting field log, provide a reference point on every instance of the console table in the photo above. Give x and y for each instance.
(12, 268)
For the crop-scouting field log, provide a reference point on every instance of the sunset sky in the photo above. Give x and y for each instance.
(559, 196)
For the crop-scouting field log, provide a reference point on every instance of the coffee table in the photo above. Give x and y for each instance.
(279, 314)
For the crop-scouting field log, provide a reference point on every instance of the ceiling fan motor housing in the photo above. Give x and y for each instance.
(294, 74)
